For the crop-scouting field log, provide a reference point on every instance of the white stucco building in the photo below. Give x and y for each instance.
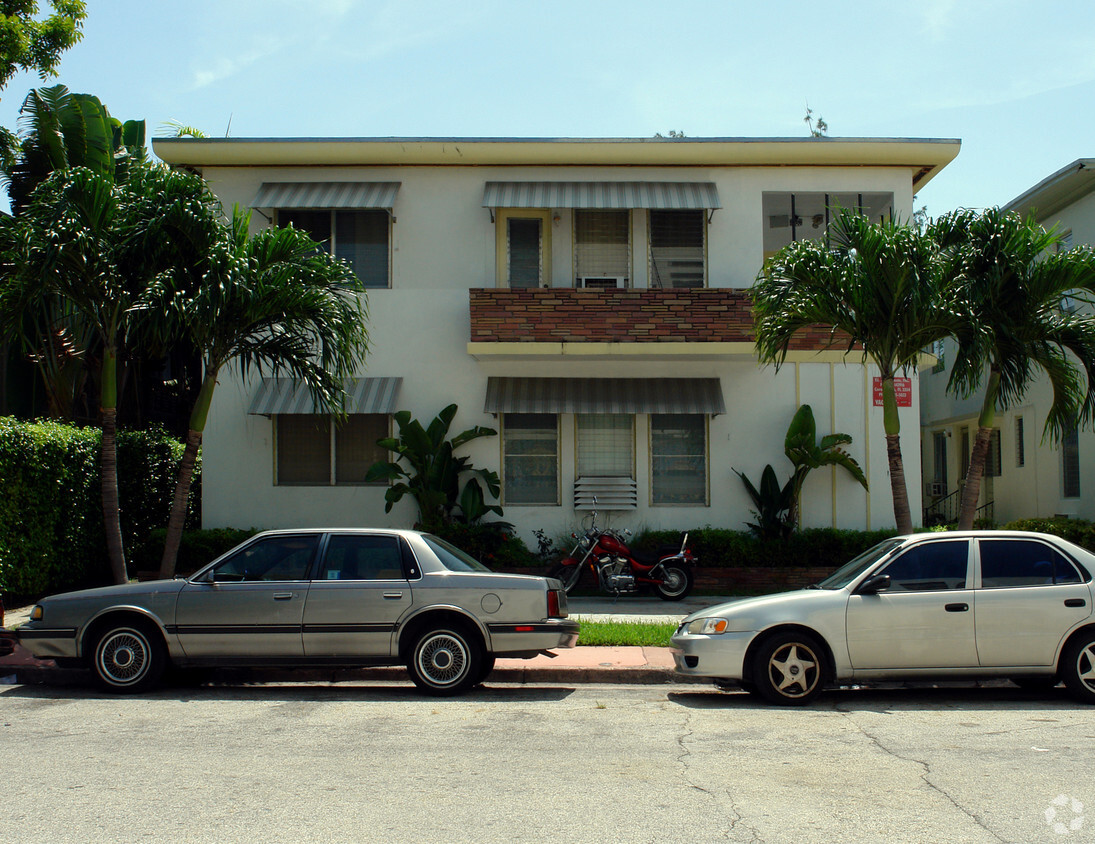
(1025, 477)
(586, 298)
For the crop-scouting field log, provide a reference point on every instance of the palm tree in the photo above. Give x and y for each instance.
(59, 130)
(1013, 286)
(875, 288)
(103, 247)
(268, 302)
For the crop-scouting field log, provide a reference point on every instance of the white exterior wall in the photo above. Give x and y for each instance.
(1035, 489)
(443, 243)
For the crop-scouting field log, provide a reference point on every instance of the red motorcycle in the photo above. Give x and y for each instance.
(619, 570)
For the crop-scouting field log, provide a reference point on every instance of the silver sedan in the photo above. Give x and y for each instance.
(964, 604)
(311, 598)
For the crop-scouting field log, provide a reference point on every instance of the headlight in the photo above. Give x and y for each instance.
(36, 613)
(708, 626)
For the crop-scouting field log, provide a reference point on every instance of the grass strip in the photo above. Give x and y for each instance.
(625, 633)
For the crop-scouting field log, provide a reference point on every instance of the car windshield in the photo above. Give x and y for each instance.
(853, 569)
(452, 557)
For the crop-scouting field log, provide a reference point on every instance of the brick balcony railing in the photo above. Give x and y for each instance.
(564, 315)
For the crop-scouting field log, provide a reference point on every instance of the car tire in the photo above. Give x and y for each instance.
(129, 657)
(1077, 667)
(789, 669)
(567, 575)
(1036, 684)
(676, 583)
(486, 668)
(446, 661)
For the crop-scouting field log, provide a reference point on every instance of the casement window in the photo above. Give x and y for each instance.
(530, 458)
(361, 238)
(789, 217)
(1070, 463)
(602, 249)
(678, 254)
(317, 450)
(1020, 443)
(678, 458)
(605, 445)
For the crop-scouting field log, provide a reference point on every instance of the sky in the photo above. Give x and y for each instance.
(1013, 80)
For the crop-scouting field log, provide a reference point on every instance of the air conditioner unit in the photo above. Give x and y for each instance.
(601, 282)
(935, 489)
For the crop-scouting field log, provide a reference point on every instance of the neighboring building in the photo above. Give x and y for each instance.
(1025, 476)
(586, 298)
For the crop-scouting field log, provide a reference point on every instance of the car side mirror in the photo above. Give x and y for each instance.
(874, 585)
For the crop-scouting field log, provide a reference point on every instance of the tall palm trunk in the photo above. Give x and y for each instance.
(892, 425)
(971, 492)
(108, 459)
(177, 519)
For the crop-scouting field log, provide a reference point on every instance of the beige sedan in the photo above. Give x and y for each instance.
(970, 604)
(349, 597)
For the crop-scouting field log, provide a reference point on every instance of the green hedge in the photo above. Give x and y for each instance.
(1078, 531)
(820, 547)
(51, 523)
(196, 548)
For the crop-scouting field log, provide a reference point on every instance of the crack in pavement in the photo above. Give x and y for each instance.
(725, 799)
(924, 776)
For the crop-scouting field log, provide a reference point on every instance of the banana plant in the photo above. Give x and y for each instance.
(773, 503)
(432, 473)
(805, 453)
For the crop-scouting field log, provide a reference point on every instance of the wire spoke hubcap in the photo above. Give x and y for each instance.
(442, 659)
(123, 657)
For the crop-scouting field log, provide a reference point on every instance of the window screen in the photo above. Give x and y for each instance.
(677, 248)
(355, 446)
(361, 239)
(1070, 463)
(678, 456)
(604, 445)
(304, 449)
(602, 246)
(523, 243)
(530, 472)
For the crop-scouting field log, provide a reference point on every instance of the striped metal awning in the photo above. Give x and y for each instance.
(364, 395)
(604, 395)
(661, 195)
(326, 195)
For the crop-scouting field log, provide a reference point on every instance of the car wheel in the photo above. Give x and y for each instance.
(788, 669)
(567, 575)
(129, 657)
(446, 661)
(675, 584)
(1078, 667)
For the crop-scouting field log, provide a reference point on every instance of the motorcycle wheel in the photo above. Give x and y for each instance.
(675, 584)
(568, 575)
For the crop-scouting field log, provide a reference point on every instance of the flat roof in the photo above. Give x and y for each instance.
(1055, 192)
(924, 156)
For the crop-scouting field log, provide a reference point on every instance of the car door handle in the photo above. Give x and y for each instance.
(957, 607)
(283, 596)
(1075, 602)
(392, 596)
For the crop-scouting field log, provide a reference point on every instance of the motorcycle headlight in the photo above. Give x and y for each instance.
(709, 626)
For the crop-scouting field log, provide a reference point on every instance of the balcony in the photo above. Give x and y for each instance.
(703, 322)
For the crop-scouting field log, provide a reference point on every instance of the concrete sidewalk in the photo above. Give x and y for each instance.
(637, 665)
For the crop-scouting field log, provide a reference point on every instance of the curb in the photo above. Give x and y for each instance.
(49, 675)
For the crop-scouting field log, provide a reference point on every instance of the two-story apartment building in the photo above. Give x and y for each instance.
(586, 298)
(1026, 475)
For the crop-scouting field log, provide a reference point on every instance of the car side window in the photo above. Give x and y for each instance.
(352, 557)
(273, 559)
(1023, 562)
(929, 567)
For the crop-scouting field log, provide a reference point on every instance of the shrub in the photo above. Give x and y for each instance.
(196, 548)
(1078, 531)
(492, 543)
(51, 522)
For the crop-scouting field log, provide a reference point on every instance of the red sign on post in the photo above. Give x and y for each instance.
(902, 388)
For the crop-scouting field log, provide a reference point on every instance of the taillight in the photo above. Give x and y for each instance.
(555, 604)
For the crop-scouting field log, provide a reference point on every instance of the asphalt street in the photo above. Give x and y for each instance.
(585, 763)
